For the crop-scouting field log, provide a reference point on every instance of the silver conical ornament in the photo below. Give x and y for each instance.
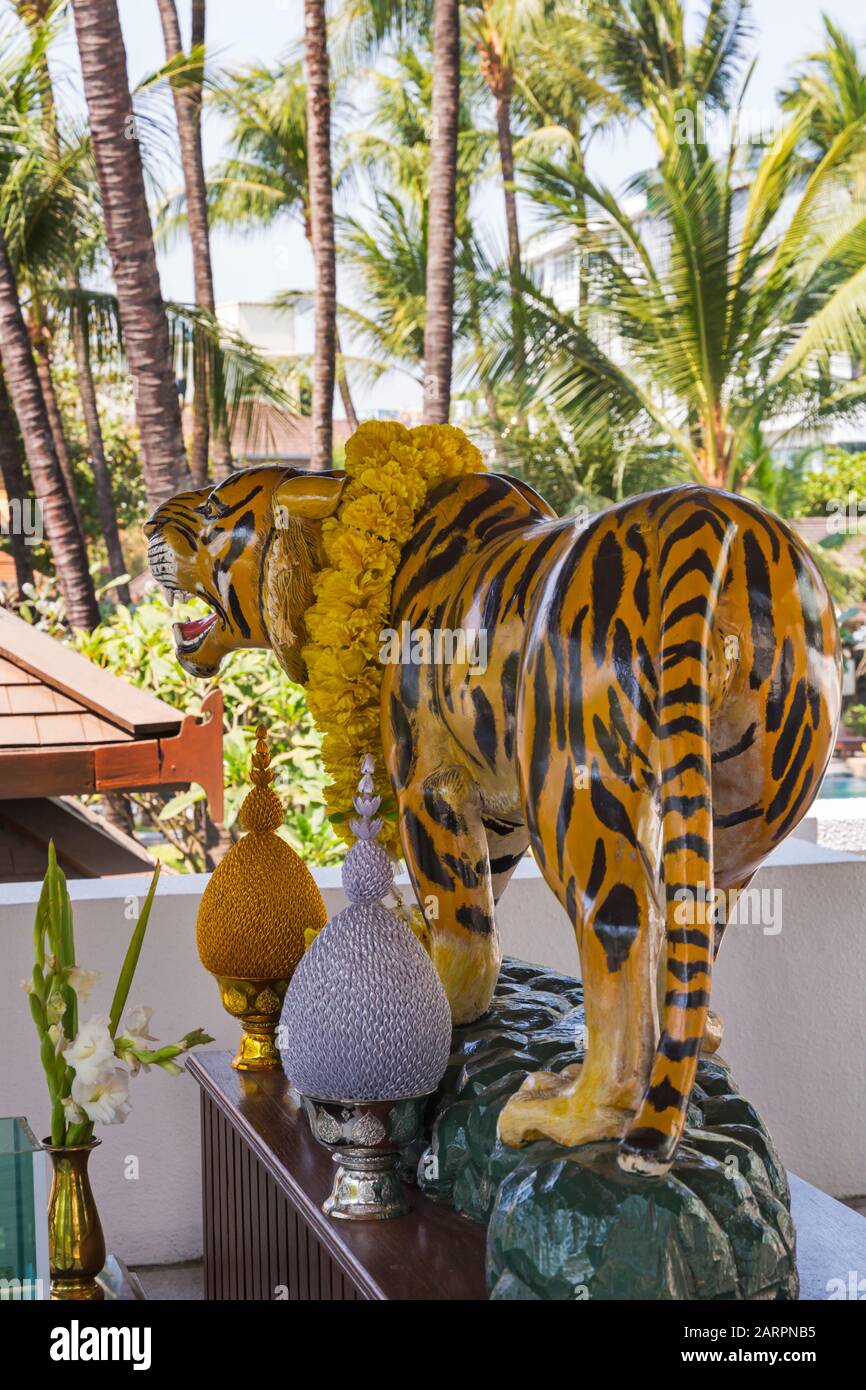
(365, 1022)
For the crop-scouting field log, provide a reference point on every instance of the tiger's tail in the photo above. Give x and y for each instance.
(694, 540)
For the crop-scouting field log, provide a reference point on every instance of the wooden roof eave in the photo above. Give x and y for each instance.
(135, 710)
(193, 754)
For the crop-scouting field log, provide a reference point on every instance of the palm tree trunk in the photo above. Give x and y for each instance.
(221, 444)
(439, 329)
(70, 552)
(506, 157)
(99, 463)
(342, 378)
(16, 489)
(345, 389)
(130, 242)
(55, 419)
(322, 227)
(187, 107)
(499, 76)
(34, 13)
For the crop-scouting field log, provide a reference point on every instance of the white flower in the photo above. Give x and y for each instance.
(74, 1112)
(82, 981)
(106, 1099)
(136, 1024)
(91, 1054)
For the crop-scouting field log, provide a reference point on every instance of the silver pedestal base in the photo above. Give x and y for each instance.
(366, 1187)
(365, 1138)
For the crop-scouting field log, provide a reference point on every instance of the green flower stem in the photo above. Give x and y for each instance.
(66, 958)
(162, 1056)
(133, 952)
(54, 920)
(37, 1009)
(81, 1133)
(40, 922)
(58, 1122)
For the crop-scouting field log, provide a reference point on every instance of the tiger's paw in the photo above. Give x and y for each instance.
(563, 1108)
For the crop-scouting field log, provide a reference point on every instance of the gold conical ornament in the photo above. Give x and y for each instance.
(260, 900)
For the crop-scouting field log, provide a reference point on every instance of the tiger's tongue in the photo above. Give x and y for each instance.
(189, 631)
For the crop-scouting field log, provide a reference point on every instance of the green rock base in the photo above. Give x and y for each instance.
(568, 1223)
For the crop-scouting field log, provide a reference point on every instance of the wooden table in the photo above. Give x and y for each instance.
(264, 1179)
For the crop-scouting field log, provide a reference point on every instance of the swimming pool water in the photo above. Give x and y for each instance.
(839, 785)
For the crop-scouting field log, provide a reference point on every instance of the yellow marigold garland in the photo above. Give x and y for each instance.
(391, 470)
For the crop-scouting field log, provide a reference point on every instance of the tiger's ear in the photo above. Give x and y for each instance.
(310, 495)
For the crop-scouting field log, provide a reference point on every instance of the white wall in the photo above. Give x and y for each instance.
(270, 329)
(793, 1006)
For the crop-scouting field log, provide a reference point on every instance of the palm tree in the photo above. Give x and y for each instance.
(98, 461)
(321, 230)
(498, 27)
(36, 194)
(719, 311)
(72, 189)
(832, 84)
(832, 88)
(266, 179)
(64, 536)
(130, 242)
(641, 50)
(12, 475)
(187, 92)
(438, 332)
(388, 251)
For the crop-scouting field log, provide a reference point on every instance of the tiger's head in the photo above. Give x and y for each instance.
(249, 548)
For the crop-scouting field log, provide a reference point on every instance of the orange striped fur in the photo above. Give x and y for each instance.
(657, 710)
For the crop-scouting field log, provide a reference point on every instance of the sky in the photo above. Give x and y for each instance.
(257, 266)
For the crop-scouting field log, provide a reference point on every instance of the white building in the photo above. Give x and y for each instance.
(269, 328)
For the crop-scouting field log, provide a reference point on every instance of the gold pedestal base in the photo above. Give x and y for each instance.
(257, 1004)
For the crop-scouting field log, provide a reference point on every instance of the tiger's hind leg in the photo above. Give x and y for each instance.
(603, 885)
(445, 844)
(586, 748)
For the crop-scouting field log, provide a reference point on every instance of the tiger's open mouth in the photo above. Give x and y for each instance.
(189, 636)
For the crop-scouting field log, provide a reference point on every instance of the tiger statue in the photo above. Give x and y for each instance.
(656, 711)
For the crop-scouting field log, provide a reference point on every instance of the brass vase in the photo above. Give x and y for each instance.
(76, 1245)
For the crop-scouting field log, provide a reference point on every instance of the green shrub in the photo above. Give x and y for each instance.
(843, 477)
